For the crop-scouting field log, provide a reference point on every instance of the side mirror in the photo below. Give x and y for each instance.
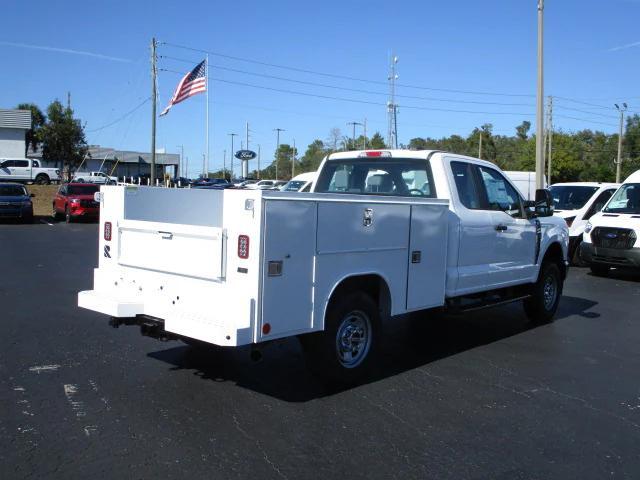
(543, 203)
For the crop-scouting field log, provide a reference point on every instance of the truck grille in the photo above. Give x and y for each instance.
(607, 237)
(89, 203)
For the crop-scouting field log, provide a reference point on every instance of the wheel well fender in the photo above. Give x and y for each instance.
(554, 254)
(373, 284)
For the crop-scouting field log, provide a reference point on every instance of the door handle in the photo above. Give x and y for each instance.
(501, 228)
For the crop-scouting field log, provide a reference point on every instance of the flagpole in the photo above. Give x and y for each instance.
(206, 70)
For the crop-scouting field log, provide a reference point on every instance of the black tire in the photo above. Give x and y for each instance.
(575, 257)
(27, 219)
(543, 303)
(599, 270)
(67, 215)
(43, 179)
(350, 319)
(80, 180)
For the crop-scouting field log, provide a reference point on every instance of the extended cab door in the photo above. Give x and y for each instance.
(21, 170)
(515, 234)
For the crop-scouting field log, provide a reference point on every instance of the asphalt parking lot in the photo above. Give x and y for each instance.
(483, 396)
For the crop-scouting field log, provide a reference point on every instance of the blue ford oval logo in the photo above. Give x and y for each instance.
(611, 235)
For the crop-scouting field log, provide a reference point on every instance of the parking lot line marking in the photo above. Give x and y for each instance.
(44, 368)
(45, 222)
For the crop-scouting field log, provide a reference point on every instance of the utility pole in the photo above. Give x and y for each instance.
(364, 146)
(224, 163)
(277, 130)
(353, 136)
(154, 96)
(180, 164)
(480, 145)
(232, 152)
(619, 160)
(392, 108)
(69, 100)
(549, 137)
(258, 162)
(186, 166)
(204, 160)
(540, 101)
(293, 159)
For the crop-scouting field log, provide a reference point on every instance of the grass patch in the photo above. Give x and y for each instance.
(43, 200)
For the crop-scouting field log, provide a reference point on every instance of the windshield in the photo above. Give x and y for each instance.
(293, 186)
(571, 197)
(400, 177)
(12, 191)
(83, 189)
(625, 200)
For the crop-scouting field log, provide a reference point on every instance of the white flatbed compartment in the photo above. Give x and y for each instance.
(190, 275)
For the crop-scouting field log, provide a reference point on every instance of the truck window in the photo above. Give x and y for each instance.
(21, 163)
(363, 176)
(7, 164)
(463, 174)
(500, 194)
(36, 164)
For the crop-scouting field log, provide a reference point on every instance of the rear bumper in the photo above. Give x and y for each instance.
(610, 256)
(184, 324)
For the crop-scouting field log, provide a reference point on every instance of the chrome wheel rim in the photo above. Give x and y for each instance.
(353, 339)
(549, 292)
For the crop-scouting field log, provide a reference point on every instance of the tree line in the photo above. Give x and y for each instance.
(585, 155)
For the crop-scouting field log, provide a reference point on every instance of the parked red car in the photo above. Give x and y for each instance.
(75, 200)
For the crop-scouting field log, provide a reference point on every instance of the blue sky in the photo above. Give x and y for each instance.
(592, 50)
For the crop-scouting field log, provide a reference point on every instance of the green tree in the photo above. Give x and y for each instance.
(311, 159)
(33, 137)
(522, 130)
(63, 138)
(376, 142)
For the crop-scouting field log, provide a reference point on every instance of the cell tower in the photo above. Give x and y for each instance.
(392, 108)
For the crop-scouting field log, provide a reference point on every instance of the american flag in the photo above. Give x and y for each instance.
(193, 82)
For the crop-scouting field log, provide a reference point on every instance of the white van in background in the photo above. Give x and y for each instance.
(577, 202)
(526, 183)
(300, 183)
(611, 236)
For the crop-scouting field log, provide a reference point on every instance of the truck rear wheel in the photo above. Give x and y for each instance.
(42, 179)
(543, 303)
(344, 351)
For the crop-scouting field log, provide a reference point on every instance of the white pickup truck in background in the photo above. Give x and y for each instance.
(94, 177)
(381, 234)
(26, 170)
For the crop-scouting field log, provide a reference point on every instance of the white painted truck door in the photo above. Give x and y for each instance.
(427, 256)
(287, 272)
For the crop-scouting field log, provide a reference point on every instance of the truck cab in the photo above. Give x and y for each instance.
(610, 237)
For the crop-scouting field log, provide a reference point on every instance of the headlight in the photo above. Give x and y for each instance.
(75, 200)
(588, 227)
(569, 221)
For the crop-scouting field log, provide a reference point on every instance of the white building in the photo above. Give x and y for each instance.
(13, 128)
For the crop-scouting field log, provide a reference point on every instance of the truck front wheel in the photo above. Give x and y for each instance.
(42, 179)
(541, 306)
(344, 351)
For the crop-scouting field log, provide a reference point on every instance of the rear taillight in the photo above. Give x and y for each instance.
(243, 246)
(107, 231)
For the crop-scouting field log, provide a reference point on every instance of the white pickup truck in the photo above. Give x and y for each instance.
(382, 233)
(94, 177)
(27, 170)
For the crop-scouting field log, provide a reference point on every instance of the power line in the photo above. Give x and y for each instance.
(357, 90)
(121, 117)
(343, 77)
